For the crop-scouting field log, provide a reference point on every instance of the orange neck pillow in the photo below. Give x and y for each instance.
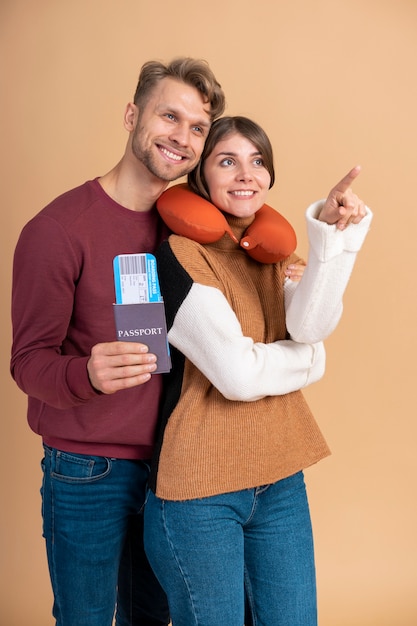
(269, 239)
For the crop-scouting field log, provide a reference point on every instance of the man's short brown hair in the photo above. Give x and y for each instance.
(194, 72)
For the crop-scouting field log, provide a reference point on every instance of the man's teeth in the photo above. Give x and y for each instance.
(242, 193)
(171, 155)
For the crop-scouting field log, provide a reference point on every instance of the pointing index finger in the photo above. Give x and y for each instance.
(347, 180)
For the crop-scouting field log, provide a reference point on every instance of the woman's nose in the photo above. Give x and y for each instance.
(244, 174)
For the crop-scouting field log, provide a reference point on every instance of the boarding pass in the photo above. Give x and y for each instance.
(136, 279)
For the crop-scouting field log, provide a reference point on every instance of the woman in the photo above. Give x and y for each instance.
(227, 513)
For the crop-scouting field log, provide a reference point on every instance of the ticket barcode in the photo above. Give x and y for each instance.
(132, 264)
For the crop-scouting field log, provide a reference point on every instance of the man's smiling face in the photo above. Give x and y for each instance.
(171, 129)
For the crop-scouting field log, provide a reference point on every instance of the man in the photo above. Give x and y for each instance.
(94, 400)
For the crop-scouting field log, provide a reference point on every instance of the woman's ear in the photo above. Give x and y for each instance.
(187, 214)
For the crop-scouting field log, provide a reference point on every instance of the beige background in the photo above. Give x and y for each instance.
(334, 84)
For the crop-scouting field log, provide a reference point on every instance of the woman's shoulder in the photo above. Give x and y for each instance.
(187, 251)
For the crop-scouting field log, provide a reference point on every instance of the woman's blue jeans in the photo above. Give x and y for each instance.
(207, 552)
(92, 524)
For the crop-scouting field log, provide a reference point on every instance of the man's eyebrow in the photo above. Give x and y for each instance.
(204, 124)
(169, 108)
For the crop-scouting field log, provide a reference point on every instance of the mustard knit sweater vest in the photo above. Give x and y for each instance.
(207, 444)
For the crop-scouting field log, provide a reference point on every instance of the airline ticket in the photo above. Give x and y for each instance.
(136, 278)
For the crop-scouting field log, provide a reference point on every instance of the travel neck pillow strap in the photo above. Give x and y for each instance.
(269, 239)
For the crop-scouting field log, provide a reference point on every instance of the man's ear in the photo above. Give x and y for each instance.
(130, 117)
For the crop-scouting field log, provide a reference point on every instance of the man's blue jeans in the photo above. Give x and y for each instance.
(92, 523)
(207, 551)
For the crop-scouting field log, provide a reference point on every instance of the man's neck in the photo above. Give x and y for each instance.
(136, 189)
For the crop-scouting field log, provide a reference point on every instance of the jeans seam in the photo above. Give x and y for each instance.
(171, 544)
(57, 593)
(249, 594)
(256, 492)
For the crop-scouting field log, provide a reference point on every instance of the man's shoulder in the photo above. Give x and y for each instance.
(66, 212)
(73, 201)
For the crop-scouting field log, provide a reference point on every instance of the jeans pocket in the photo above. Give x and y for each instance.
(72, 468)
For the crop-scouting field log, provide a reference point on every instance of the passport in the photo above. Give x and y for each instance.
(139, 311)
(145, 323)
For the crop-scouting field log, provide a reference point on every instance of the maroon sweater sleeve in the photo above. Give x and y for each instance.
(45, 275)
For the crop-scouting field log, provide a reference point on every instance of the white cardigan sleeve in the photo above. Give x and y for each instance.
(315, 305)
(207, 331)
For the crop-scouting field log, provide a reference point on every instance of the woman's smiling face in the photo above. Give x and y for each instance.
(236, 177)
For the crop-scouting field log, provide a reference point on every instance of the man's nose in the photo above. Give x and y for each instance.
(181, 135)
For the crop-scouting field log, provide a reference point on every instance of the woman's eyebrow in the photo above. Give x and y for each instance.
(234, 154)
